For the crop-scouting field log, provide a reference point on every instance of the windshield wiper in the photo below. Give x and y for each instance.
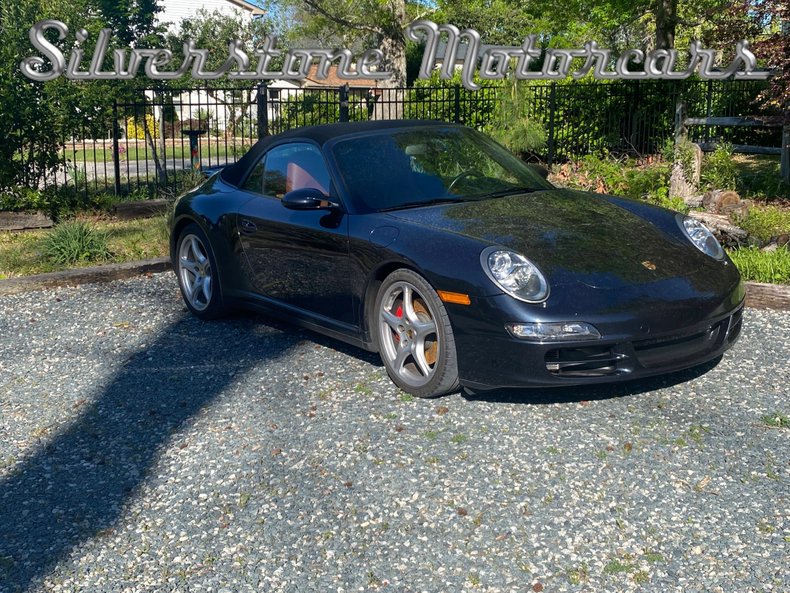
(510, 191)
(424, 203)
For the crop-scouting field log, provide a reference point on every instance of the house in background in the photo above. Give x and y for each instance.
(193, 106)
(175, 11)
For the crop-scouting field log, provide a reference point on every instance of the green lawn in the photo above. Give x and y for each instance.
(20, 253)
(140, 152)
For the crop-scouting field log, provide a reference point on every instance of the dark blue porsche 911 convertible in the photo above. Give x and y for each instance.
(460, 264)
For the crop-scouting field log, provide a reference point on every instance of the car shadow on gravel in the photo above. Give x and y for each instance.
(580, 393)
(75, 486)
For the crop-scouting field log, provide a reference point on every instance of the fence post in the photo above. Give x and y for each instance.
(552, 108)
(343, 92)
(116, 151)
(263, 110)
(457, 118)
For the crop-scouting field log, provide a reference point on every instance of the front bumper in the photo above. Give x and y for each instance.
(632, 347)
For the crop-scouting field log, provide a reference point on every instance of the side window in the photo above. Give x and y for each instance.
(294, 166)
(254, 182)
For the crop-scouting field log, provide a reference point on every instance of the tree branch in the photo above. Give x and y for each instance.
(316, 6)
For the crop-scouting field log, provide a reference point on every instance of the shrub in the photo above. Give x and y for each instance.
(24, 198)
(512, 125)
(719, 170)
(135, 129)
(72, 242)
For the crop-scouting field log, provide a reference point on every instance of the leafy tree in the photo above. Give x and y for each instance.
(213, 31)
(360, 24)
(36, 117)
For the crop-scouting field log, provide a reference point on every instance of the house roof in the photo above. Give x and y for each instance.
(333, 80)
(254, 9)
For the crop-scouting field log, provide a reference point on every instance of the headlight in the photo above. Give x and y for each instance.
(515, 274)
(699, 234)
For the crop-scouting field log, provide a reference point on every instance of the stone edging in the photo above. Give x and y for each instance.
(758, 295)
(106, 273)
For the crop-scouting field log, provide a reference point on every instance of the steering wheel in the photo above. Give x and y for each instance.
(463, 175)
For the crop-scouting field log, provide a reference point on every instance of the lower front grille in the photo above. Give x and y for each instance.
(597, 361)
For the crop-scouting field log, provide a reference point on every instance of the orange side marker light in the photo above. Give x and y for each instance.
(454, 297)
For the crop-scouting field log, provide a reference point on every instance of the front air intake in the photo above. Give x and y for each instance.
(596, 361)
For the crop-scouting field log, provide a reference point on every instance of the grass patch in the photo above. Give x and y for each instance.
(758, 177)
(640, 577)
(22, 254)
(763, 266)
(776, 420)
(579, 575)
(615, 566)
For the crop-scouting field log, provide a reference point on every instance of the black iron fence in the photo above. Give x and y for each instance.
(146, 146)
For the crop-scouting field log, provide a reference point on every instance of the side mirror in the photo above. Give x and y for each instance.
(540, 170)
(306, 199)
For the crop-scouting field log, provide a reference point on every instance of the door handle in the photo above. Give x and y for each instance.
(247, 226)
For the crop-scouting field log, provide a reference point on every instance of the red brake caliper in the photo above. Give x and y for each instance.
(398, 313)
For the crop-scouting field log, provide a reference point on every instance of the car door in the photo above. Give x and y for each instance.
(298, 257)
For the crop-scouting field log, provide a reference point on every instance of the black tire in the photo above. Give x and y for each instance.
(195, 299)
(391, 342)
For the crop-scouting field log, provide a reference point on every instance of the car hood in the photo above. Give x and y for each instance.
(573, 236)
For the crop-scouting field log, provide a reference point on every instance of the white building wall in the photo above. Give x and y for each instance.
(174, 11)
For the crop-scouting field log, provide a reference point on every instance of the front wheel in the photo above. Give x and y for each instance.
(197, 274)
(415, 338)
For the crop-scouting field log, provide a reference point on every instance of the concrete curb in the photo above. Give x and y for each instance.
(758, 295)
(95, 274)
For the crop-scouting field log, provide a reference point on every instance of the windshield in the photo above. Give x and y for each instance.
(400, 169)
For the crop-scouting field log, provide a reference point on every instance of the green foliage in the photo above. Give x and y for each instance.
(763, 266)
(644, 180)
(776, 420)
(73, 242)
(135, 128)
(311, 109)
(759, 178)
(435, 99)
(513, 126)
(684, 152)
(719, 170)
(18, 199)
(35, 117)
(766, 223)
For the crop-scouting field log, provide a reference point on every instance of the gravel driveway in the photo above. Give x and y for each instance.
(143, 450)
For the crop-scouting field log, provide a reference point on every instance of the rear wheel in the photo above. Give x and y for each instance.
(197, 274)
(414, 336)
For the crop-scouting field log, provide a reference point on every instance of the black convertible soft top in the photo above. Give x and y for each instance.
(235, 173)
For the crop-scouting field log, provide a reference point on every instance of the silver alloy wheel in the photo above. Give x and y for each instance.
(194, 269)
(408, 336)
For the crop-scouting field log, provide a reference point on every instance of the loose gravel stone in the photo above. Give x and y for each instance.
(144, 450)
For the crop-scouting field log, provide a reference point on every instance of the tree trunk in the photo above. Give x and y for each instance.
(666, 23)
(390, 102)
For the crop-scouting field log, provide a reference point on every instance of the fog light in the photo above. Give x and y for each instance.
(553, 332)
